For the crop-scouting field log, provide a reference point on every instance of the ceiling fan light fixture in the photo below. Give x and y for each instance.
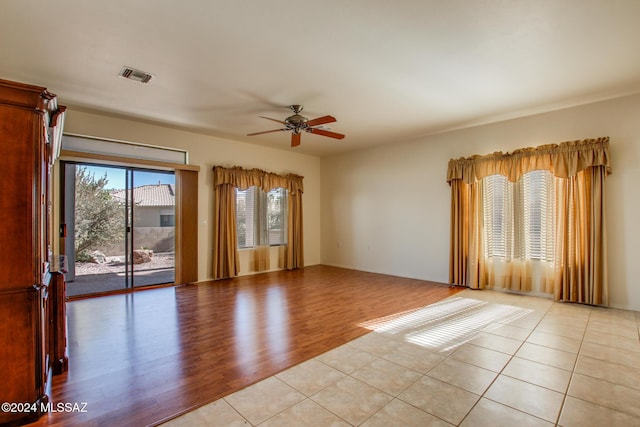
(297, 124)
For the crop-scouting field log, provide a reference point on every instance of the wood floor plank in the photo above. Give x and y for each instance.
(141, 358)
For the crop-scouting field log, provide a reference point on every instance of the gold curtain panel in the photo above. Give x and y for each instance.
(578, 271)
(562, 160)
(226, 262)
(244, 178)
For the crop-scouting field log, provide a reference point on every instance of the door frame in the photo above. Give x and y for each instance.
(186, 220)
(67, 217)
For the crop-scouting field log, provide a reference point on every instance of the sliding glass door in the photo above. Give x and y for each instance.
(152, 231)
(119, 226)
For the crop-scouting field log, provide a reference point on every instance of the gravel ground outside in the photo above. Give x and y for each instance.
(116, 265)
(94, 278)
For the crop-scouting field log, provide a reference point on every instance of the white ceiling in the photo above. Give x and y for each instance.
(389, 71)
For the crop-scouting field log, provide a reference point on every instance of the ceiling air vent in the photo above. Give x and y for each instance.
(135, 75)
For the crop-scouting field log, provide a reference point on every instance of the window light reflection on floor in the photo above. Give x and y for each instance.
(414, 318)
(446, 325)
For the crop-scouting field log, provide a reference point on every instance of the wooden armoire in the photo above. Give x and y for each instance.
(32, 323)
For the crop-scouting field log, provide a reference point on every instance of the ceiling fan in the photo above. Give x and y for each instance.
(298, 124)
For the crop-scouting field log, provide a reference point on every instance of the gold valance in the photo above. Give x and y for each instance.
(563, 160)
(245, 178)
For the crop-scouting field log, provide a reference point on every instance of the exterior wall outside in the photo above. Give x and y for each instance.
(149, 216)
(158, 239)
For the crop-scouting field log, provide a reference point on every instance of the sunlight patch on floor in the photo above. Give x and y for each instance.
(446, 325)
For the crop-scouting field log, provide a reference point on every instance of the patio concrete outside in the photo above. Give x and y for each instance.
(95, 283)
(95, 278)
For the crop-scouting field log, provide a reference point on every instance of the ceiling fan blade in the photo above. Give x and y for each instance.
(295, 139)
(321, 120)
(273, 120)
(266, 131)
(325, 133)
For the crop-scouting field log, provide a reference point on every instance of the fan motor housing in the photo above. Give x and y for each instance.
(296, 121)
(298, 124)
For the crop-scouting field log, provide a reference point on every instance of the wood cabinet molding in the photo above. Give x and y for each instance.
(26, 307)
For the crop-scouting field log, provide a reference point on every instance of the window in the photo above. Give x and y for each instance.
(519, 217)
(167, 221)
(261, 218)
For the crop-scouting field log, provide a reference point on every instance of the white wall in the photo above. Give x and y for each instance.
(207, 151)
(386, 209)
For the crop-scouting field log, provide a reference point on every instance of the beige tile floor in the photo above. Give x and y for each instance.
(480, 358)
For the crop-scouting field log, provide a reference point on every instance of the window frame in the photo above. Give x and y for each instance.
(256, 219)
(523, 215)
(165, 223)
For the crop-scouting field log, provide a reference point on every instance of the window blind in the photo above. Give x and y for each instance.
(261, 217)
(519, 217)
(498, 221)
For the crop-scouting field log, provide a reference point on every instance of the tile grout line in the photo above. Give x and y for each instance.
(596, 378)
(523, 341)
(503, 368)
(234, 410)
(511, 356)
(449, 357)
(350, 376)
(573, 371)
(397, 397)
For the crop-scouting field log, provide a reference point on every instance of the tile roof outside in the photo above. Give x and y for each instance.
(150, 195)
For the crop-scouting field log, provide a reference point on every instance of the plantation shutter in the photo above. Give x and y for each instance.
(245, 208)
(261, 231)
(276, 216)
(538, 214)
(497, 200)
(519, 217)
(261, 217)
